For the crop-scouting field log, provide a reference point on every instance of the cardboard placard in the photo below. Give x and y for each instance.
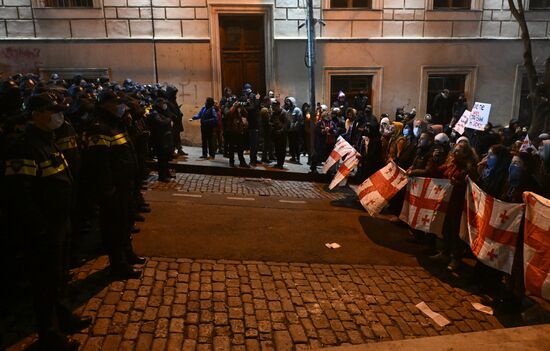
(479, 116)
(461, 124)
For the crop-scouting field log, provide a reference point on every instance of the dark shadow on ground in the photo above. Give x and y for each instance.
(388, 234)
(347, 202)
(391, 235)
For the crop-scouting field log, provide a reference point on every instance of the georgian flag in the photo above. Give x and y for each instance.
(526, 145)
(426, 203)
(536, 246)
(352, 160)
(491, 228)
(341, 149)
(375, 192)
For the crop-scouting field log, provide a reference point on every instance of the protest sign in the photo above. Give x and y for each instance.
(461, 124)
(479, 116)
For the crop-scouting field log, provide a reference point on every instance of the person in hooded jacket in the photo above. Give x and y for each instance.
(279, 126)
(295, 130)
(325, 138)
(161, 126)
(493, 170)
(177, 118)
(408, 150)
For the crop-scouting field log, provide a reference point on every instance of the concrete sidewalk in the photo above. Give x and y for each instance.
(530, 338)
(192, 163)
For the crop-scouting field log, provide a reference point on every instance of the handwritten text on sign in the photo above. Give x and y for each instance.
(479, 116)
(461, 124)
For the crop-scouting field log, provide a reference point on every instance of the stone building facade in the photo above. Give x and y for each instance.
(401, 51)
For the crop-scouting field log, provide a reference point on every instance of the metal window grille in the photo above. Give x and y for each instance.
(65, 3)
(452, 4)
(342, 4)
(539, 5)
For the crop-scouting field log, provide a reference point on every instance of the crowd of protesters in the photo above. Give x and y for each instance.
(72, 157)
(75, 151)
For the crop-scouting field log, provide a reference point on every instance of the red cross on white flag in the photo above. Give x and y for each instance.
(490, 227)
(352, 160)
(375, 192)
(341, 149)
(536, 247)
(426, 203)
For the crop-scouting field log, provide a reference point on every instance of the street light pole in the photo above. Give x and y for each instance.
(310, 24)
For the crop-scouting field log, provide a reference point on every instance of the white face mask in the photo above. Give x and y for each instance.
(56, 121)
(164, 107)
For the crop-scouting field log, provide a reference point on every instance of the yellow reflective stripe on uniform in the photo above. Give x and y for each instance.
(21, 167)
(119, 139)
(99, 140)
(67, 143)
(51, 170)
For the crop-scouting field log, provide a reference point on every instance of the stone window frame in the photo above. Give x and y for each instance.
(40, 12)
(377, 73)
(221, 7)
(516, 94)
(471, 72)
(475, 5)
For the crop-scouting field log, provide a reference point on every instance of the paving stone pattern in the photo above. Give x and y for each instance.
(199, 183)
(183, 304)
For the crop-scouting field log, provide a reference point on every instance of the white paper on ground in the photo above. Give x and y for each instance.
(482, 308)
(439, 319)
(332, 245)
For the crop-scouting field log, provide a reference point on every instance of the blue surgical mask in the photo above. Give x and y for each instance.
(406, 132)
(491, 161)
(121, 110)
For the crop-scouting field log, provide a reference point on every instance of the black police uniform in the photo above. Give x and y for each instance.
(39, 186)
(112, 166)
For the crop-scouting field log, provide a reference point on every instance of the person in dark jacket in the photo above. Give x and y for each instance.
(39, 189)
(441, 108)
(112, 165)
(295, 129)
(252, 107)
(493, 170)
(237, 126)
(279, 126)
(161, 125)
(209, 120)
(177, 116)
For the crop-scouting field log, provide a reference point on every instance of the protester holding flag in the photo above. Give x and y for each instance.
(520, 178)
(493, 170)
(460, 163)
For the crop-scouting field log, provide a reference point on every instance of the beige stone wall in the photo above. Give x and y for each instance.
(189, 19)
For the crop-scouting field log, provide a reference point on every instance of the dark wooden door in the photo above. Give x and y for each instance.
(242, 52)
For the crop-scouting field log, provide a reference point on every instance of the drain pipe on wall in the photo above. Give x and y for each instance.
(155, 67)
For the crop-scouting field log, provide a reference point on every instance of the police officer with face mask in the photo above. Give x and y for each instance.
(112, 165)
(39, 188)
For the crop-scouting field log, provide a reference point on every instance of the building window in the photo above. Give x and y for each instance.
(455, 83)
(539, 5)
(457, 79)
(352, 86)
(64, 3)
(345, 4)
(451, 4)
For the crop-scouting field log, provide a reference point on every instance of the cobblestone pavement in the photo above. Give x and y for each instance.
(183, 304)
(199, 183)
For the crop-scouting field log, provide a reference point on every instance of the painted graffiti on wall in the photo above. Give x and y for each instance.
(15, 59)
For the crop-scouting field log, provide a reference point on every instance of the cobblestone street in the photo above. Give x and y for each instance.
(188, 304)
(200, 183)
